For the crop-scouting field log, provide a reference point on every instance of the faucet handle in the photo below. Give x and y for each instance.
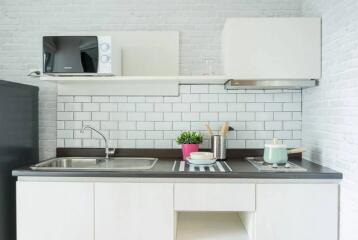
(111, 151)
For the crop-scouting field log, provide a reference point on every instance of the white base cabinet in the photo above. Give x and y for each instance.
(165, 209)
(134, 211)
(297, 212)
(55, 211)
(214, 197)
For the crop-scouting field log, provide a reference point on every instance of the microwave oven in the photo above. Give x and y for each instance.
(78, 55)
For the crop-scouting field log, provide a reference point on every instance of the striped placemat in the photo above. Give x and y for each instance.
(183, 166)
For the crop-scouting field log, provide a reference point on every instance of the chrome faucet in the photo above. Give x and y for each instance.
(108, 151)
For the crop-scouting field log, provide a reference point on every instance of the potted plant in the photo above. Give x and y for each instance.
(189, 142)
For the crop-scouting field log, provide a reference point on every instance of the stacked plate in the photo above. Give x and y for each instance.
(201, 158)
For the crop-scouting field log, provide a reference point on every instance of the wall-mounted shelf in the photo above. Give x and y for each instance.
(162, 85)
(127, 85)
(201, 79)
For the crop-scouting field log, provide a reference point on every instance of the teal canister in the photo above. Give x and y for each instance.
(275, 153)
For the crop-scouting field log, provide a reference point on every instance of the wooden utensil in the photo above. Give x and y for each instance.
(210, 131)
(224, 129)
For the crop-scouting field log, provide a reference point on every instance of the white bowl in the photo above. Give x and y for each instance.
(201, 162)
(201, 155)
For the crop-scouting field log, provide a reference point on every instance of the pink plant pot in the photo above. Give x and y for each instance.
(189, 148)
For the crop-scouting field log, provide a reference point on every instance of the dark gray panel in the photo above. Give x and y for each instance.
(18, 145)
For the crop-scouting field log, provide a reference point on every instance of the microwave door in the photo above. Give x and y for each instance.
(71, 55)
(89, 54)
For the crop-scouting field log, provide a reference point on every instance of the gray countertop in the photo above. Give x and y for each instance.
(163, 169)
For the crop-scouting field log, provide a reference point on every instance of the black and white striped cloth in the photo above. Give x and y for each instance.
(183, 166)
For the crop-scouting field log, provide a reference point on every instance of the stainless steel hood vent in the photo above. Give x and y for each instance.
(270, 84)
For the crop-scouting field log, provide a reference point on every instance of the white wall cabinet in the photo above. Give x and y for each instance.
(134, 211)
(272, 48)
(297, 211)
(55, 211)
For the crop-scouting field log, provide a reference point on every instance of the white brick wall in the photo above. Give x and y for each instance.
(22, 23)
(147, 122)
(330, 111)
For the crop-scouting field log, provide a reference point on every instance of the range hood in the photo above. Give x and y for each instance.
(270, 84)
(272, 53)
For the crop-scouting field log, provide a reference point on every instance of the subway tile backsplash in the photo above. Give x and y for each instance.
(154, 122)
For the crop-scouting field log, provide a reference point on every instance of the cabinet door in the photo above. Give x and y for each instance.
(55, 211)
(271, 48)
(297, 211)
(134, 211)
(214, 197)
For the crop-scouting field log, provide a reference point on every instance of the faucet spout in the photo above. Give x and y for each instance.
(108, 151)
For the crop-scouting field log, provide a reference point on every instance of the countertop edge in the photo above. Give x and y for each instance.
(258, 175)
(241, 170)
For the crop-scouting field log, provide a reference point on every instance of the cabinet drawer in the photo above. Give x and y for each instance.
(214, 197)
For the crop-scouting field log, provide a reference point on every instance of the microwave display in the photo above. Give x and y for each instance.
(70, 54)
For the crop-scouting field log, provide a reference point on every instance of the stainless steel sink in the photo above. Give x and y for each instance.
(96, 164)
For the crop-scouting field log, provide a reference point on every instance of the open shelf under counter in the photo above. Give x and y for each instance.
(211, 226)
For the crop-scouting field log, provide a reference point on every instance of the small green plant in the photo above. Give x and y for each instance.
(190, 138)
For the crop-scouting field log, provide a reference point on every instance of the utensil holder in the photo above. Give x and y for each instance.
(218, 146)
